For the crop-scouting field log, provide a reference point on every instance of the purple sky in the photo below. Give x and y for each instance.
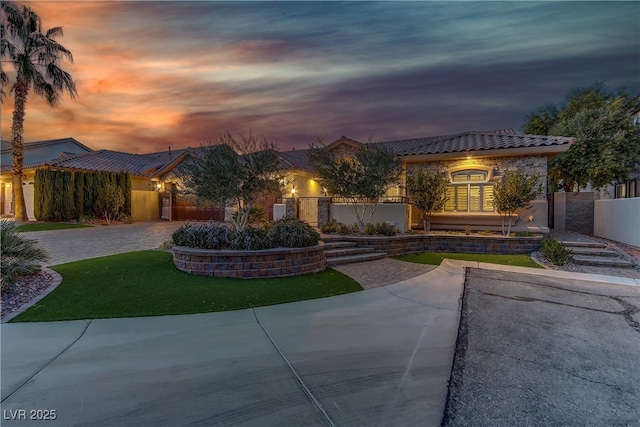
(156, 73)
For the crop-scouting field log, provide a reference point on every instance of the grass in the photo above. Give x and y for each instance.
(435, 258)
(147, 283)
(44, 226)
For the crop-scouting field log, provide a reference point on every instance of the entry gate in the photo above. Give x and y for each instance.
(308, 210)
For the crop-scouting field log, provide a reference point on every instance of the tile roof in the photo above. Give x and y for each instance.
(110, 161)
(472, 142)
(295, 159)
(6, 145)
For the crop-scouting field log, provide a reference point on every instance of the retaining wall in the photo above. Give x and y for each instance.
(278, 262)
(398, 245)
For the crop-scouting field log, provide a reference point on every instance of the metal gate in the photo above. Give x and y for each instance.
(308, 210)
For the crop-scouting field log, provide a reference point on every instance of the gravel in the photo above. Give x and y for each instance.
(26, 289)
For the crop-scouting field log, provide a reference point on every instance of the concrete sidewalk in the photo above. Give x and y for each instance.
(377, 357)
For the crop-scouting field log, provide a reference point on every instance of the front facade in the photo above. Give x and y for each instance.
(472, 162)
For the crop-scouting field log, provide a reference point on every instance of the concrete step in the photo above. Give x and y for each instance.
(329, 245)
(571, 244)
(345, 251)
(593, 252)
(602, 261)
(352, 259)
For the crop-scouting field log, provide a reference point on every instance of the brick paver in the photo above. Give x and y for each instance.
(386, 271)
(83, 243)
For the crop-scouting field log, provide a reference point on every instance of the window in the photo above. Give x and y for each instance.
(469, 191)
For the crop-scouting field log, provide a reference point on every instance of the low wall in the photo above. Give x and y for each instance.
(415, 243)
(278, 262)
(618, 219)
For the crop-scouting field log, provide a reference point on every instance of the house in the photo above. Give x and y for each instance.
(472, 162)
(34, 153)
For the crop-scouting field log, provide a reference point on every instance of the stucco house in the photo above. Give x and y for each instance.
(34, 153)
(472, 162)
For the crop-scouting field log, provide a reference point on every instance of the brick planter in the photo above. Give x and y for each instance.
(414, 243)
(278, 262)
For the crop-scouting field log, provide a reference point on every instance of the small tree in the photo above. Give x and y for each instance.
(237, 170)
(515, 191)
(110, 202)
(361, 178)
(428, 192)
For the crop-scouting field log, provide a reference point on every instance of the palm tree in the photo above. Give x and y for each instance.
(35, 57)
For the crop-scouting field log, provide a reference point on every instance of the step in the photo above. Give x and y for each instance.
(593, 252)
(597, 261)
(570, 244)
(338, 252)
(338, 244)
(352, 259)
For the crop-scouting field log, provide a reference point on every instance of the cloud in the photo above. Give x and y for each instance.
(153, 74)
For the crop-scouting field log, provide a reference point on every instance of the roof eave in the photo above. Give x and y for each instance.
(499, 152)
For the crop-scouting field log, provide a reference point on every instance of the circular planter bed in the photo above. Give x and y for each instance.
(277, 262)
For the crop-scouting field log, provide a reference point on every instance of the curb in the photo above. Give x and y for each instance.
(56, 280)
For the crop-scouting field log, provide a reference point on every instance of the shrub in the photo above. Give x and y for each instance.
(524, 234)
(210, 235)
(110, 201)
(484, 233)
(553, 250)
(335, 227)
(380, 229)
(291, 232)
(250, 238)
(18, 256)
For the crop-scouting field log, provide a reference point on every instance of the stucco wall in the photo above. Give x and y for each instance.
(618, 219)
(145, 205)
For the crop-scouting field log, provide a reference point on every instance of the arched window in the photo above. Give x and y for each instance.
(469, 191)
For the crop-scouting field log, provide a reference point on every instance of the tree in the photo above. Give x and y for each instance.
(36, 58)
(110, 202)
(607, 146)
(236, 170)
(515, 191)
(428, 192)
(360, 178)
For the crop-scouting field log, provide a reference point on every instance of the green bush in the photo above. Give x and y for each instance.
(335, 227)
(251, 238)
(380, 229)
(18, 256)
(210, 235)
(553, 250)
(291, 232)
(523, 234)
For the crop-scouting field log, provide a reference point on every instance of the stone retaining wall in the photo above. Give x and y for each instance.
(406, 244)
(278, 262)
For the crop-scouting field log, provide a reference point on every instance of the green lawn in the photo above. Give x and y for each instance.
(435, 258)
(147, 283)
(44, 226)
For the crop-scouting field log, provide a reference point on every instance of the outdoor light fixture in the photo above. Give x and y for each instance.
(293, 191)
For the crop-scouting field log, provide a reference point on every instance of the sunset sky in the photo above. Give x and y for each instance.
(153, 74)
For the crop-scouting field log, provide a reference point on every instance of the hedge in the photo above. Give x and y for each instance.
(69, 195)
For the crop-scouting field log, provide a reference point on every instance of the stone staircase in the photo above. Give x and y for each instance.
(596, 254)
(339, 252)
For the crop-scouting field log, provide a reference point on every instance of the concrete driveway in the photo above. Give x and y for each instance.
(536, 347)
(379, 357)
